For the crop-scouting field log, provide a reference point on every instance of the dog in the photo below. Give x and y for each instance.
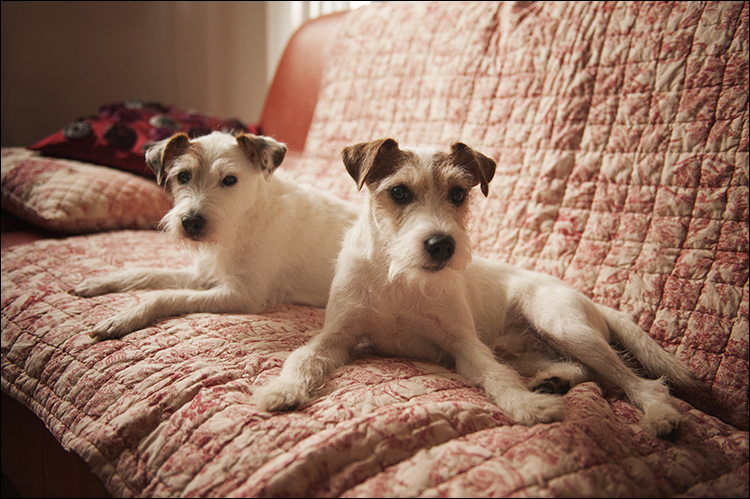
(406, 283)
(258, 238)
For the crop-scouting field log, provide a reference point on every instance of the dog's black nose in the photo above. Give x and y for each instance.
(440, 247)
(193, 224)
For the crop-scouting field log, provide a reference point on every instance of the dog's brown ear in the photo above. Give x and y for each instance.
(160, 155)
(263, 151)
(370, 161)
(479, 165)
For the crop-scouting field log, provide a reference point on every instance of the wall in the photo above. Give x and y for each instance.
(62, 60)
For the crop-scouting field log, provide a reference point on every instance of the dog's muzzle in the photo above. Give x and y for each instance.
(193, 225)
(440, 249)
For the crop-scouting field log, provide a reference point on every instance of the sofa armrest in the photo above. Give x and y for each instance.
(291, 99)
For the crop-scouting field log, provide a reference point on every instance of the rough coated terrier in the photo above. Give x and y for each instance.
(406, 284)
(257, 237)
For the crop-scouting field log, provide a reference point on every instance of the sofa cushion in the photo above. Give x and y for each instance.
(169, 411)
(621, 136)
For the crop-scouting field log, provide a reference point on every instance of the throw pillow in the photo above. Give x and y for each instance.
(119, 133)
(74, 197)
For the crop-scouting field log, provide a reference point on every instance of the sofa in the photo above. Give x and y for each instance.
(620, 131)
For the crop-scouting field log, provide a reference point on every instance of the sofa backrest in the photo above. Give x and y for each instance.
(621, 135)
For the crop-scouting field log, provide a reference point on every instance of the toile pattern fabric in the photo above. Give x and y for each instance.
(621, 135)
(168, 410)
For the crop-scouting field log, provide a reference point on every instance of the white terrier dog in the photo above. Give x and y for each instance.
(406, 283)
(258, 238)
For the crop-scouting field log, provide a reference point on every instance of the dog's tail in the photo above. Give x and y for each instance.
(652, 357)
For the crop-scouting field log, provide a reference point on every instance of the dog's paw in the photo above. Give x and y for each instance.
(661, 421)
(279, 395)
(93, 286)
(530, 408)
(115, 327)
(108, 329)
(551, 386)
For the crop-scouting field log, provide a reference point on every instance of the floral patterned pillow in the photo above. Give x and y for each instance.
(119, 133)
(74, 197)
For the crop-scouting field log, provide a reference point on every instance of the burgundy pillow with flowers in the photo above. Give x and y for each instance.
(118, 134)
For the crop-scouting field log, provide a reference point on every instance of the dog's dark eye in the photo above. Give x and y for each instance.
(229, 180)
(401, 194)
(183, 177)
(457, 195)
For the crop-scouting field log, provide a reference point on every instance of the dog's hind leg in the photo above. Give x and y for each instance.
(557, 377)
(503, 385)
(651, 356)
(575, 327)
(532, 358)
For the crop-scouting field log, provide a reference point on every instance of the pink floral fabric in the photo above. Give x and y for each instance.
(168, 410)
(620, 131)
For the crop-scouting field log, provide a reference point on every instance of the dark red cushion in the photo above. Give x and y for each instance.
(118, 134)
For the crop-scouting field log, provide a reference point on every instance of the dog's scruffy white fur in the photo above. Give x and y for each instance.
(257, 237)
(406, 284)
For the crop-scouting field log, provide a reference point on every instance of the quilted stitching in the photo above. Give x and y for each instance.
(168, 410)
(622, 153)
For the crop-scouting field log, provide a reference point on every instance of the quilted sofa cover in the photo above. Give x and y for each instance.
(621, 134)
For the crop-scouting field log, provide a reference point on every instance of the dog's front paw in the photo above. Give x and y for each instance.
(93, 286)
(279, 395)
(661, 421)
(115, 327)
(530, 408)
